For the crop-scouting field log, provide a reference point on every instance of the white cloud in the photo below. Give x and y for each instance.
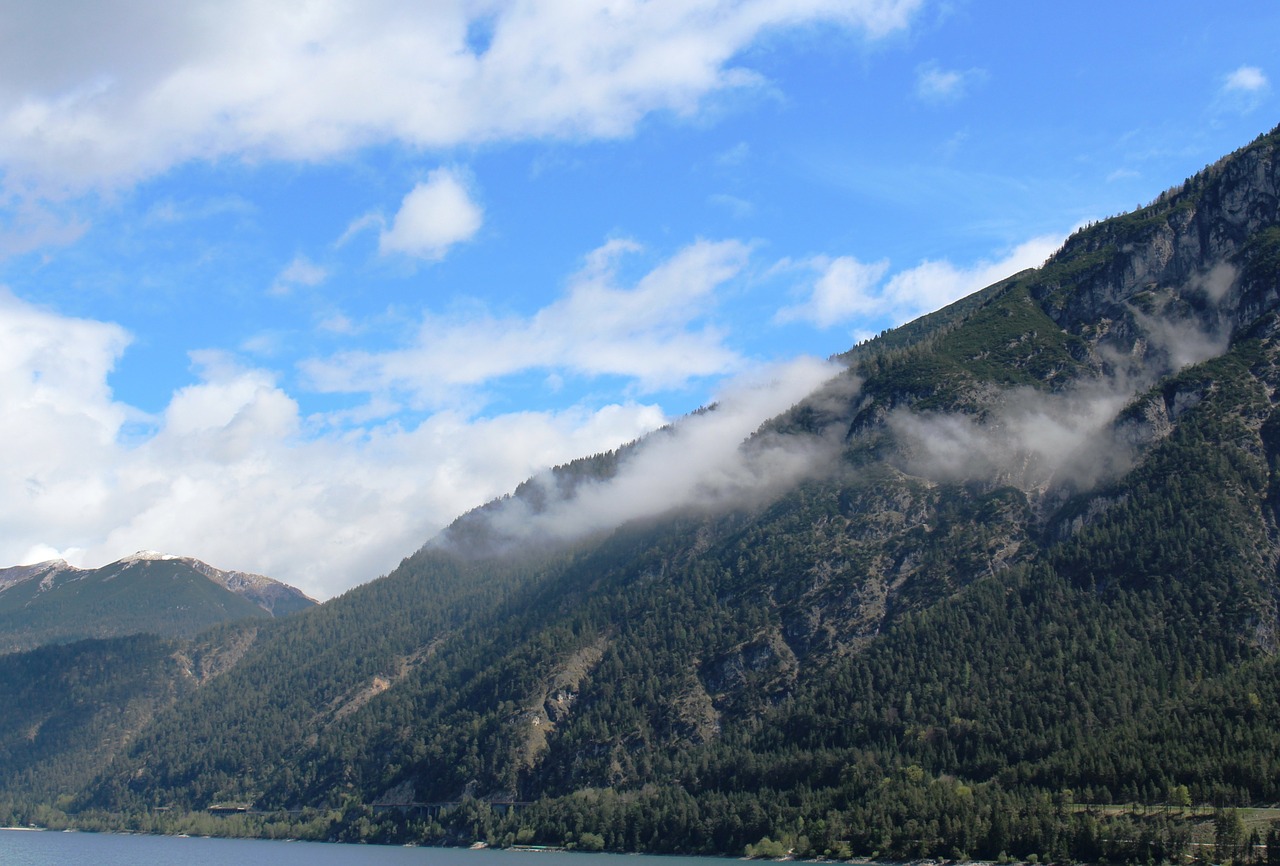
(935, 84)
(1030, 439)
(299, 272)
(171, 210)
(654, 332)
(846, 289)
(229, 476)
(696, 463)
(48, 364)
(434, 215)
(103, 94)
(931, 285)
(1249, 79)
(58, 425)
(1243, 90)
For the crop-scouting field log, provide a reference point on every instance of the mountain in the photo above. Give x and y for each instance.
(1015, 561)
(147, 592)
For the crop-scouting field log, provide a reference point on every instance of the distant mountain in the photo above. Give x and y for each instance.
(148, 592)
(1016, 561)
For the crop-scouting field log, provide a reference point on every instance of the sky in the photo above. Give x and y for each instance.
(287, 287)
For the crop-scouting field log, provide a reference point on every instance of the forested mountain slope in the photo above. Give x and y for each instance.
(1019, 553)
(148, 592)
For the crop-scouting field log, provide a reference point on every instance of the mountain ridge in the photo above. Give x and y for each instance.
(146, 591)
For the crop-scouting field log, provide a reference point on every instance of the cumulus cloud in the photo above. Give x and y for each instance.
(934, 284)
(230, 473)
(1249, 79)
(654, 332)
(103, 94)
(846, 289)
(59, 423)
(435, 215)
(703, 461)
(1244, 89)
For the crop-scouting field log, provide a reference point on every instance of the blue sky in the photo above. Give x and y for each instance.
(288, 286)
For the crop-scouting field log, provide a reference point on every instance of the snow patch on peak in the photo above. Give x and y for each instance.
(149, 556)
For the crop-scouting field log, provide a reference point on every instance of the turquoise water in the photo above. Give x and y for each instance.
(35, 848)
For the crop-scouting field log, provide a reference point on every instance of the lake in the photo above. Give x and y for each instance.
(40, 848)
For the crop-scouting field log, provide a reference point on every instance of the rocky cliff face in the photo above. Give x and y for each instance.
(44, 571)
(276, 598)
(1199, 257)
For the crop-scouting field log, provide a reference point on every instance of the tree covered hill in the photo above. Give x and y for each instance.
(147, 592)
(1019, 554)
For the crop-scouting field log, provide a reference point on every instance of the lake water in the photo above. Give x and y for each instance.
(37, 848)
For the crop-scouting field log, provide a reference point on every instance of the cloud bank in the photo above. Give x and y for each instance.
(103, 94)
(230, 475)
(232, 472)
(655, 332)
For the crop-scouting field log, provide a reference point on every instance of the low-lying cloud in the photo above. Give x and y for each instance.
(1033, 439)
(708, 460)
(1030, 440)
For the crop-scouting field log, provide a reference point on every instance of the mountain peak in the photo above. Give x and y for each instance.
(148, 556)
